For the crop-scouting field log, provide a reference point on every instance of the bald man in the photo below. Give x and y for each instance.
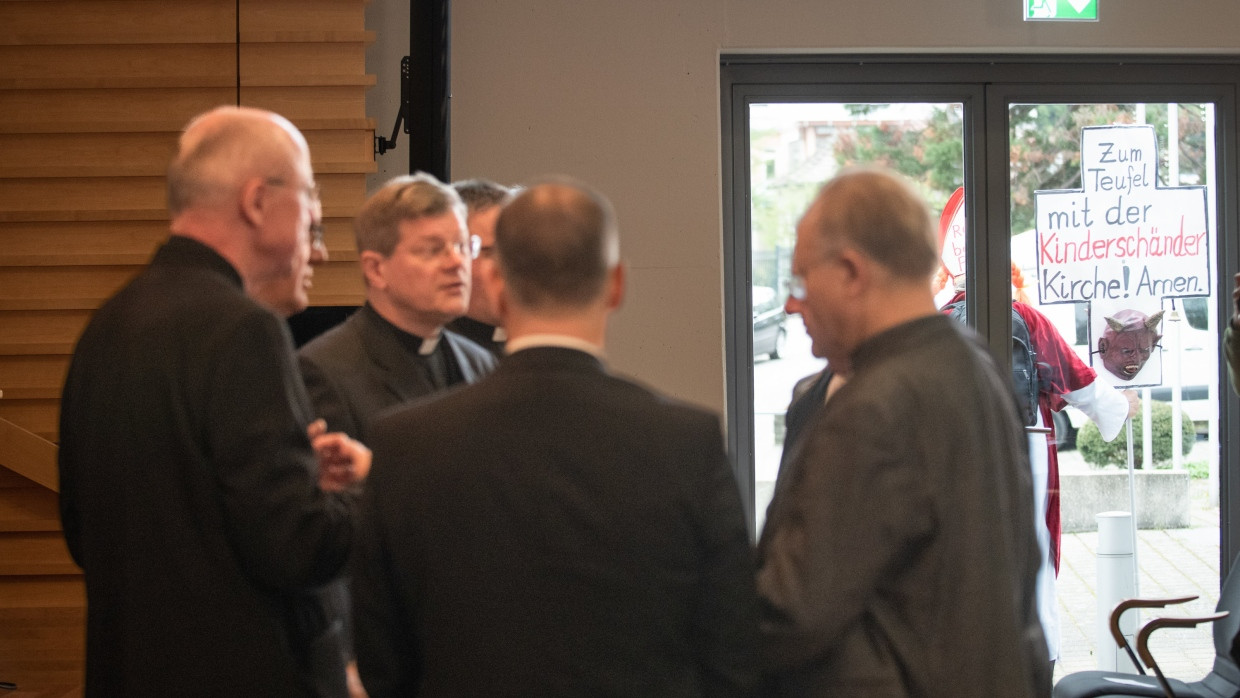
(898, 556)
(289, 293)
(191, 490)
(588, 540)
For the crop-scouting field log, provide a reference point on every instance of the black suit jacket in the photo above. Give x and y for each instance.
(808, 397)
(188, 493)
(359, 368)
(553, 531)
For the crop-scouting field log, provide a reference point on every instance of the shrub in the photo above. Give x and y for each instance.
(1197, 469)
(1098, 453)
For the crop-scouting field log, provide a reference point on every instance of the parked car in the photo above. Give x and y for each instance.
(769, 334)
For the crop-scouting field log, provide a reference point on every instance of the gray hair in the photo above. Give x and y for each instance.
(879, 213)
(482, 194)
(223, 147)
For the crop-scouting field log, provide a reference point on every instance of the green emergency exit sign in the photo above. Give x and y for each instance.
(1061, 10)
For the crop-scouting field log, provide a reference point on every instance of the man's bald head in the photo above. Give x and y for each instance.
(879, 213)
(557, 244)
(241, 183)
(224, 147)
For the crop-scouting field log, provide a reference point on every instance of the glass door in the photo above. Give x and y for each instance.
(1091, 188)
(1114, 247)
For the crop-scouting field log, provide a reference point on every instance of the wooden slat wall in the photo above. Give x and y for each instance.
(92, 96)
(306, 59)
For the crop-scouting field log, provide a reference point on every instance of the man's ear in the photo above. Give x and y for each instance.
(615, 287)
(372, 268)
(498, 291)
(858, 271)
(252, 201)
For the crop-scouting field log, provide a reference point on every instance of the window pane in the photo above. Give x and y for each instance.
(1112, 240)
(794, 148)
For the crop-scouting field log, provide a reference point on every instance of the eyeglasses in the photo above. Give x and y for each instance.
(434, 249)
(311, 190)
(796, 287)
(485, 252)
(316, 234)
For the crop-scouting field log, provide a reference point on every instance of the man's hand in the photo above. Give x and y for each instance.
(1134, 402)
(342, 460)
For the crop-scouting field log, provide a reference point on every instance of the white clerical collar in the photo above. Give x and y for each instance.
(499, 335)
(429, 344)
(553, 340)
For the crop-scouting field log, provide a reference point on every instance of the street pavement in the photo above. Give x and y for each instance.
(1172, 562)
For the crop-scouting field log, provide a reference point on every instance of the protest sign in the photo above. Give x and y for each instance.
(1122, 242)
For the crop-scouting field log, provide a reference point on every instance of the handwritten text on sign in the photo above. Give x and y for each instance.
(1121, 236)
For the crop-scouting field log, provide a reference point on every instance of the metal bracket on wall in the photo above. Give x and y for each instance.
(382, 145)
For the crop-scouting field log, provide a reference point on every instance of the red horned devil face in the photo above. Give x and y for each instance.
(1129, 339)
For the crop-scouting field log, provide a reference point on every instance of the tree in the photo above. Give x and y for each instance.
(1045, 142)
(930, 152)
(776, 203)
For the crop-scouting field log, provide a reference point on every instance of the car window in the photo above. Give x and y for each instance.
(1196, 311)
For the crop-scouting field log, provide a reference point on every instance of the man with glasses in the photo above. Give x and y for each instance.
(203, 508)
(415, 254)
(898, 556)
(484, 199)
(289, 294)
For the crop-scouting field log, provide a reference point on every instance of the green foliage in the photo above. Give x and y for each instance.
(1045, 148)
(774, 213)
(776, 202)
(1098, 453)
(930, 154)
(1197, 469)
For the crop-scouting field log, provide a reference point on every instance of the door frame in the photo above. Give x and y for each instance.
(986, 85)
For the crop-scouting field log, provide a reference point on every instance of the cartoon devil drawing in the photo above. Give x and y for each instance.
(1128, 341)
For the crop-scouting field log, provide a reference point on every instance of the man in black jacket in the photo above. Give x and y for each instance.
(589, 541)
(415, 253)
(190, 491)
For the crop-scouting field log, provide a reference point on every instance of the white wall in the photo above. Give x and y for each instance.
(390, 22)
(624, 95)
